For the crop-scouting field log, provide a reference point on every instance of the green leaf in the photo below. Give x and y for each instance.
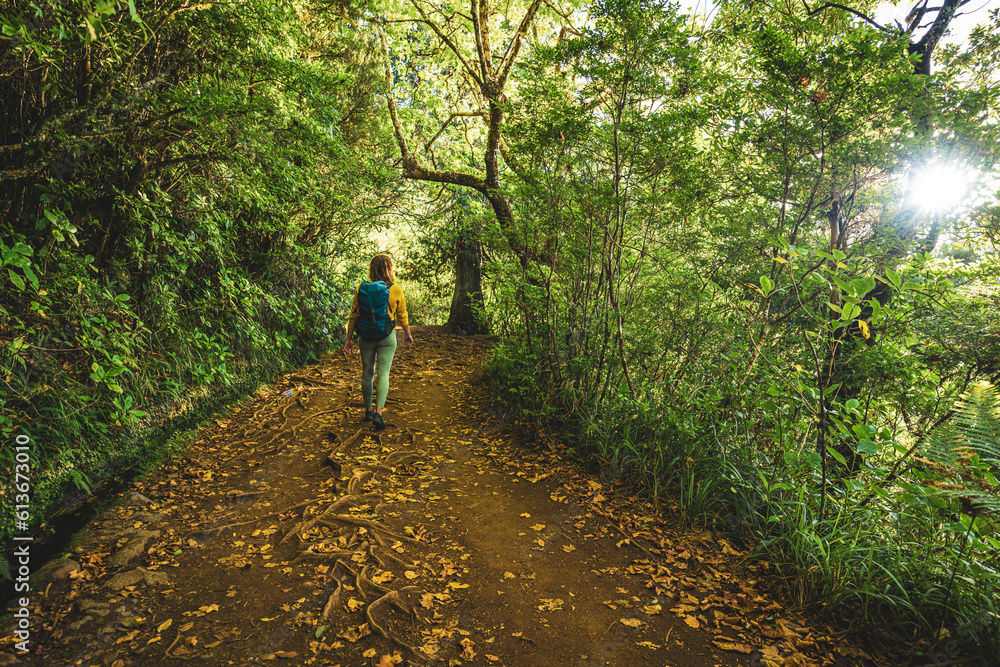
(836, 455)
(32, 278)
(863, 285)
(17, 344)
(893, 278)
(867, 447)
(91, 33)
(842, 284)
(766, 284)
(16, 279)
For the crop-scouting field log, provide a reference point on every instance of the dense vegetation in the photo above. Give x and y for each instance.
(178, 183)
(703, 249)
(748, 315)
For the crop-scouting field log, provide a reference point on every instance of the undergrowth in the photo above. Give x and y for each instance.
(898, 556)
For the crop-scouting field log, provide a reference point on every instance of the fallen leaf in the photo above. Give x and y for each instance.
(410, 574)
(652, 609)
(383, 577)
(692, 621)
(538, 526)
(353, 634)
(732, 646)
(649, 645)
(163, 626)
(569, 547)
(549, 604)
(509, 575)
(127, 638)
(370, 653)
(209, 609)
(389, 660)
(631, 622)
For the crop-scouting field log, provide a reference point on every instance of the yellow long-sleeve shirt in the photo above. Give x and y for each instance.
(397, 307)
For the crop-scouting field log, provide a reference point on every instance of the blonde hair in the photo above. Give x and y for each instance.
(380, 268)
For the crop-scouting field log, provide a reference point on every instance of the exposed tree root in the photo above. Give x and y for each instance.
(385, 560)
(403, 460)
(317, 414)
(393, 598)
(337, 506)
(218, 529)
(366, 523)
(314, 380)
(279, 447)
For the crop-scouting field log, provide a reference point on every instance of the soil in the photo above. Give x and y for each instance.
(291, 532)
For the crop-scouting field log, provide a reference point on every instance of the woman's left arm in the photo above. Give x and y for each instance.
(348, 347)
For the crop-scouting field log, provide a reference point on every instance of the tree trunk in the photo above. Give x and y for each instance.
(467, 300)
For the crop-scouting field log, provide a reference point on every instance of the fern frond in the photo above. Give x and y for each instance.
(965, 452)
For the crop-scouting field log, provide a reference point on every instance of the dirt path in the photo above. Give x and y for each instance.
(290, 532)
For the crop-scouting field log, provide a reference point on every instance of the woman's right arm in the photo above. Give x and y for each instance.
(402, 317)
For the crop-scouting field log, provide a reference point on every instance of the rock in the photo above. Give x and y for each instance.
(123, 579)
(149, 517)
(76, 625)
(8, 660)
(138, 499)
(133, 577)
(57, 569)
(156, 578)
(133, 549)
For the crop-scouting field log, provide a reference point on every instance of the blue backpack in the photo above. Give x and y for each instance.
(373, 321)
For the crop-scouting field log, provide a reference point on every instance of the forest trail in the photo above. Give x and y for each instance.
(289, 533)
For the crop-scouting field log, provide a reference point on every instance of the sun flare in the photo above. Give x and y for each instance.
(940, 187)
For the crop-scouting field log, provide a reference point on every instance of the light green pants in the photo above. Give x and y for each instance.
(381, 351)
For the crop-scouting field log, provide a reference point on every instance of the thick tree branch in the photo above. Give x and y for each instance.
(397, 127)
(515, 43)
(925, 47)
(836, 5)
(481, 26)
(412, 168)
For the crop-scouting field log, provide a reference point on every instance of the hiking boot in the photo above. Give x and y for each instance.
(378, 421)
(368, 415)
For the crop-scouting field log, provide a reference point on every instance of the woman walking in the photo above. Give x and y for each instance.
(378, 307)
